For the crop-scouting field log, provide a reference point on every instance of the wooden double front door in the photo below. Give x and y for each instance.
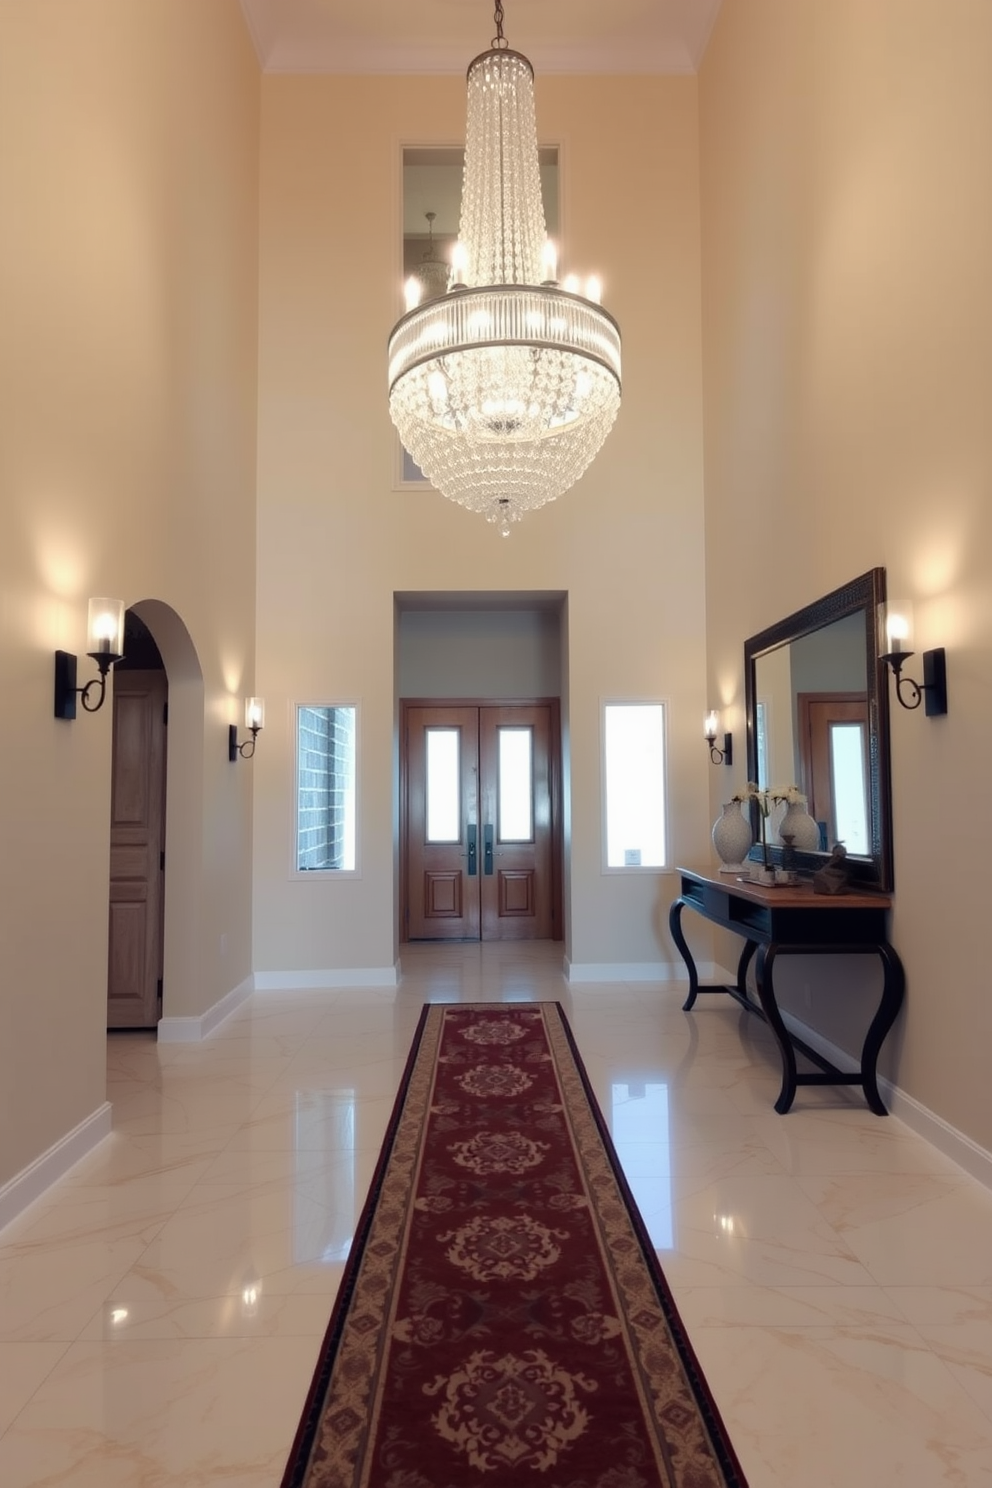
(481, 821)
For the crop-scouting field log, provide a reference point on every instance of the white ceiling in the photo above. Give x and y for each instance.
(436, 36)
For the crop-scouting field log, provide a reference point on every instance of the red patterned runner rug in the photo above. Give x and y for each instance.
(503, 1319)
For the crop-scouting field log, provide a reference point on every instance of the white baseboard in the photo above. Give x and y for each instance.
(52, 1165)
(934, 1129)
(579, 972)
(194, 1030)
(306, 981)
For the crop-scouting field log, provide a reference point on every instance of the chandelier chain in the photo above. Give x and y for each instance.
(499, 40)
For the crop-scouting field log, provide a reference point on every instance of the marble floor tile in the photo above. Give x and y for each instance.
(162, 1306)
(862, 1407)
(140, 1414)
(24, 1367)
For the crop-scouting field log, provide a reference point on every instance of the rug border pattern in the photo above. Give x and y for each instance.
(341, 1408)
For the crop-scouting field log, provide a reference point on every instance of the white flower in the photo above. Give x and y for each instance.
(791, 794)
(772, 795)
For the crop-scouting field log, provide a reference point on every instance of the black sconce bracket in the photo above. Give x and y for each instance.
(721, 756)
(246, 748)
(66, 690)
(932, 691)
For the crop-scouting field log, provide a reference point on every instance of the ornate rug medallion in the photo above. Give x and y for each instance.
(503, 1318)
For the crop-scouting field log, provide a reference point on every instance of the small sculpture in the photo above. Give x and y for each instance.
(832, 877)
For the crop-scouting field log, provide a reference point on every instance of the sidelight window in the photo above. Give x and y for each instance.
(634, 771)
(325, 794)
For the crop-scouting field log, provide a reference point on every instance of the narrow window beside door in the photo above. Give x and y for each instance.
(326, 788)
(634, 778)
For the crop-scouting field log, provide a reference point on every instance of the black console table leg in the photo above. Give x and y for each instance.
(893, 988)
(750, 946)
(675, 927)
(766, 996)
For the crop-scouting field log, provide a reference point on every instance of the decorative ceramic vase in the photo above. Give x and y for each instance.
(732, 837)
(800, 826)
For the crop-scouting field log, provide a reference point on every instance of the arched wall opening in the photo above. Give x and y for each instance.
(184, 797)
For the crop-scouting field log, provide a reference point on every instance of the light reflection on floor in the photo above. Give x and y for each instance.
(161, 1308)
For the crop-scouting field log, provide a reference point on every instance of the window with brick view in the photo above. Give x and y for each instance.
(325, 797)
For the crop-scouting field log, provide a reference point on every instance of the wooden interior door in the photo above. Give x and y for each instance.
(137, 850)
(515, 875)
(825, 720)
(442, 834)
(478, 852)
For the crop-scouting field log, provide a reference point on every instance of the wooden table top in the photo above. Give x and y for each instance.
(789, 896)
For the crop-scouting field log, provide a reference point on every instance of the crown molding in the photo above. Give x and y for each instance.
(665, 37)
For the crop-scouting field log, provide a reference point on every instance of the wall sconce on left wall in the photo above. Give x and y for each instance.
(105, 644)
(711, 728)
(255, 721)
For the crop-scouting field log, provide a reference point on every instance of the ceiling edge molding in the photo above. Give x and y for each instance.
(255, 32)
(432, 61)
(705, 34)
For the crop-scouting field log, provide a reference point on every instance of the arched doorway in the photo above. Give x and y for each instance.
(180, 884)
(137, 832)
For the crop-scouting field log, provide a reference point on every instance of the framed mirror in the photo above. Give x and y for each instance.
(817, 716)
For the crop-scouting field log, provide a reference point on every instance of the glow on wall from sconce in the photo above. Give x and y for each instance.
(639, 1127)
(233, 673)
(941, 545)
(324, 1185)
(61, 567)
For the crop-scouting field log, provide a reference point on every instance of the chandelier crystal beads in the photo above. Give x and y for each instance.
(504, 389)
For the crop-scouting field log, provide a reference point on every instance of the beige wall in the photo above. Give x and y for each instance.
(847, 236)
(128, 293)
(478, 653)
(336, 539)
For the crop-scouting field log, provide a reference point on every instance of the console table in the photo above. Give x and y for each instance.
(792, 920)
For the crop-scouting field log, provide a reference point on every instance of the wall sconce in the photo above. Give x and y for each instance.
(932, 691)
(105, 643)
(254, 720)
(711, 727)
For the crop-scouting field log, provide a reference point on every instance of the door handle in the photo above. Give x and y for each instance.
(487, 837)
(473, 866)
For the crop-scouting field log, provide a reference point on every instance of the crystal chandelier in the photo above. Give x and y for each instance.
(504, 389)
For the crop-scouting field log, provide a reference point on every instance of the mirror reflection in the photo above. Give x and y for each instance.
(818, 718)
(812, 727)
(432, 184)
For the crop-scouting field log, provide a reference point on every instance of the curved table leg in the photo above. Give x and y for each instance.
(766, 996)
(749, 948)
(675, 927)
(893, 988)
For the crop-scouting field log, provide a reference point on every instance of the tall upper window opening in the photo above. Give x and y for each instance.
(432, 184)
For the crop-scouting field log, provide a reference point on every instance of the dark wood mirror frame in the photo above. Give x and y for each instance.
(864, 595)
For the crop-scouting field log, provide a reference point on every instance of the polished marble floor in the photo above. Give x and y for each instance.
(162, 1306)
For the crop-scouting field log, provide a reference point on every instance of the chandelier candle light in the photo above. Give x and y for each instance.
(504, 389)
